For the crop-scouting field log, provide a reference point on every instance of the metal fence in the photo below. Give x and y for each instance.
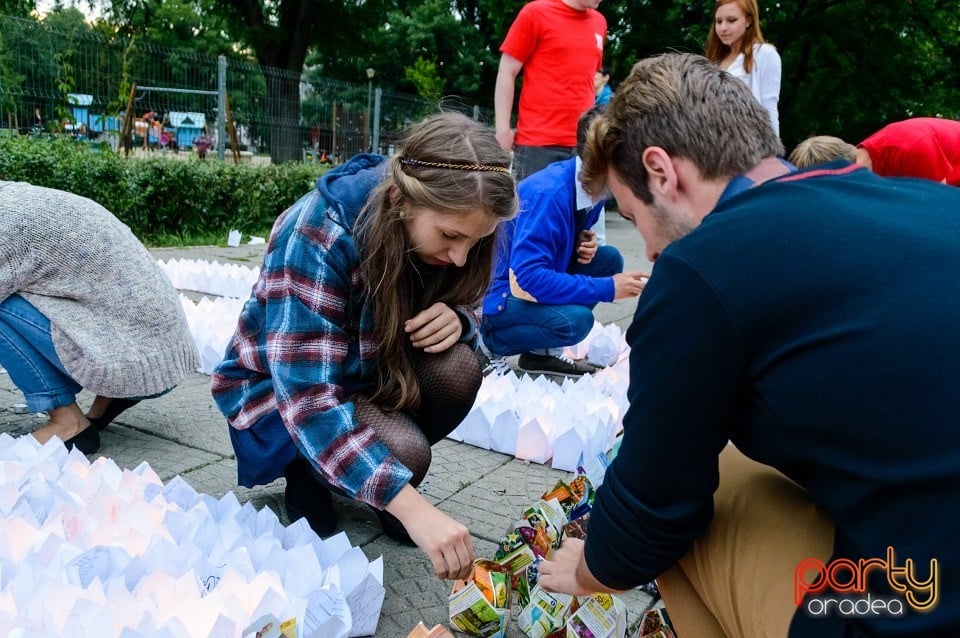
(81, 83)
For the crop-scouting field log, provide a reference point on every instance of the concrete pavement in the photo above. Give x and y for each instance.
(183, 433)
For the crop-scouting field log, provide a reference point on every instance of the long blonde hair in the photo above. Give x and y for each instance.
(717, 50)
(443, 148)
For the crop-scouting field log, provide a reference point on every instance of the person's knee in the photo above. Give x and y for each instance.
(611, 259)
(581, 323)
(419, 464)
(457, 362)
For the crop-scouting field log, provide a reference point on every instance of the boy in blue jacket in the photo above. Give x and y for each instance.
(550, 272)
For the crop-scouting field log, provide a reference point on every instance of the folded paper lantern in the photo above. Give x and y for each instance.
(93, 550)
(538, 420)
(210, 277)
(212, 322)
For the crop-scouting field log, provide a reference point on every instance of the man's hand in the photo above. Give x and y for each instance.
(629, 284)
(435, 329)
(586, 246)
(567, 572)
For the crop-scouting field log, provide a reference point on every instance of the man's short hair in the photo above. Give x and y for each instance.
(820, 149)
(689, 107)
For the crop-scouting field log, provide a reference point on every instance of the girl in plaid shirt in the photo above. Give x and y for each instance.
(355, 351)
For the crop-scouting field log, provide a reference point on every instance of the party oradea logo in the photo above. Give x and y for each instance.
(840, 587)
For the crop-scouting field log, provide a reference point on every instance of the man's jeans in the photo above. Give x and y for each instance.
(523, 326)
(27, 352)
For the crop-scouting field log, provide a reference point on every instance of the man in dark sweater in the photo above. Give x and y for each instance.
(770, 331)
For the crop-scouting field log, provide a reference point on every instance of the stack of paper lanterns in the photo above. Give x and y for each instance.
(212, 320)
(93, 550)
(211, 277)
(539, 420)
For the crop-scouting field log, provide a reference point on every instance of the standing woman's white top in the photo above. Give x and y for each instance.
(735, 34)
(763, 80)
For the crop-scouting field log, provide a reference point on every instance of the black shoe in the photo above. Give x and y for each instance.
(114, 408)
(305, 497)
(88, 441)
(393, 528)
(553, 364)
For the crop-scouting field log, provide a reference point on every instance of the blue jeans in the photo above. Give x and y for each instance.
(27, 352)
(523, 326)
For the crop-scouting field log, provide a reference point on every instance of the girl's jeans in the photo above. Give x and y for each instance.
(27, 352)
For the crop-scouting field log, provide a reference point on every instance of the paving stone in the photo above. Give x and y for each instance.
(128, 448)
(455, 465)
(186, 414)
(493, 502)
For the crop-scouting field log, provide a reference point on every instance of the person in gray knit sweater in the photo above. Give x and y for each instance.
(83, 305)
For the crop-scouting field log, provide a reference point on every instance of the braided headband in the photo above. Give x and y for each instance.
(487, 168)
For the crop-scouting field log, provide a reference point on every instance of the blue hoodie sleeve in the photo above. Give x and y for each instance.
(543, 245)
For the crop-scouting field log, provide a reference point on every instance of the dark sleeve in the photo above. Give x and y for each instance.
(685, 367)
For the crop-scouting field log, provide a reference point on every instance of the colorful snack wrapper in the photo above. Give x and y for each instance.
(547, 516)
(599, 616)
(481, 606)
(577, 528)
(655, 624)
(546, 613)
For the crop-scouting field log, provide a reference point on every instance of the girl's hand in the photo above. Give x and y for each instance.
(446, 542)
(435, 329)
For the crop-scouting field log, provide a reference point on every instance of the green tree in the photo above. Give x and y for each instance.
(10, 87)
(423, 75)
(17, 8)
(433, 31)
(280, 33)
(849, 66)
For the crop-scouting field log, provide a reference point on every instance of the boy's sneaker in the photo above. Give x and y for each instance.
(492, 364)
(553, 364)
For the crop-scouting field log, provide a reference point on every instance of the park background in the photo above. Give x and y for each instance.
(303, 76)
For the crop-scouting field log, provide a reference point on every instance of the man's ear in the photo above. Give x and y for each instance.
(661, 173)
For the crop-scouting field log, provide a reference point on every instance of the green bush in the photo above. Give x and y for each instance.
(162, 199)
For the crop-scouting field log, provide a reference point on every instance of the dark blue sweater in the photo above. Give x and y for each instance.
(815, 322)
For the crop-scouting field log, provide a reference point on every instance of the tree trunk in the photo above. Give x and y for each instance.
(283, 98)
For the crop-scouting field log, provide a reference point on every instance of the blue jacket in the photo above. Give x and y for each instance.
(538, 245)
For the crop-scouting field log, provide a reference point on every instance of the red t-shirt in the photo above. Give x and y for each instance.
(560, 48)
(927, 147)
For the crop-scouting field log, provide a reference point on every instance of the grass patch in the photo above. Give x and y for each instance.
(184, 240)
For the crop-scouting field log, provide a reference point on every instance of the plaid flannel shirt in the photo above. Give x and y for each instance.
(305, 341)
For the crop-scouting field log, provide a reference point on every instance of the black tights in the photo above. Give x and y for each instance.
(449, 382)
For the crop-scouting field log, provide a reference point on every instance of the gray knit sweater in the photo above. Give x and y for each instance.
(116, 319)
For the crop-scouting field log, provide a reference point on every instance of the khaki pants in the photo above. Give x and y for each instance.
(737, 579)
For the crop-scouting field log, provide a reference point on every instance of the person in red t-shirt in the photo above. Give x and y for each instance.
(559, 46)
(925, 147)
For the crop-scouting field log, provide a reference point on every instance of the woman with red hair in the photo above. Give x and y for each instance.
(737, 45)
